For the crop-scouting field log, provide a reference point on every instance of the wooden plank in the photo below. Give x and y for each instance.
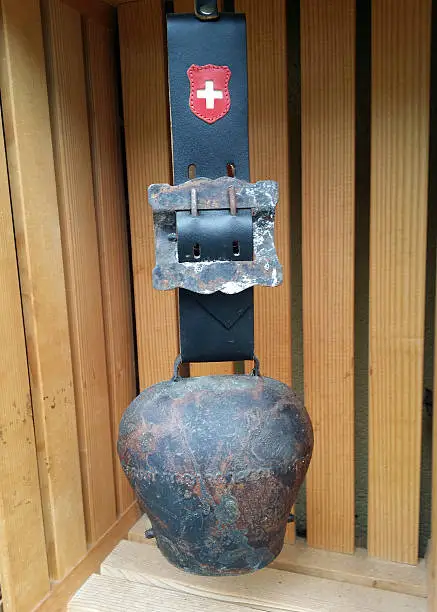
(104, 593)
(328, 168)
(62, 591)
(268, 139)
(67, 95)
(268, 150)
(111, 211)
(355, 569)
(38, 243)
(399, 185)
(267, 589)
(432, 561)
(148, 161)
(22, 545)
(211, 368)
(97, 10)
(183, 6)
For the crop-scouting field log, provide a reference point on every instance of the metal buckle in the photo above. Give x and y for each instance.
(247, 208)
(214, 235)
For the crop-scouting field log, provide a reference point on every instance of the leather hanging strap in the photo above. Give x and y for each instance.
(209, 123)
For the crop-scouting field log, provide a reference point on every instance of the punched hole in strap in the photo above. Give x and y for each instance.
(196, 250)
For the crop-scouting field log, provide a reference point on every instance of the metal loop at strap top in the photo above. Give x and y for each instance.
(178, 362)
(206, 9)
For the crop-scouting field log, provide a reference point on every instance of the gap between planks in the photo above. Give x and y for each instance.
(356, 569)
(268, 589)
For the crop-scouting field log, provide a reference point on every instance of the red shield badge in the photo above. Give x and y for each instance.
(209, 91)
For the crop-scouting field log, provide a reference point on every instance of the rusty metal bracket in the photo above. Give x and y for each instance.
(222, 194)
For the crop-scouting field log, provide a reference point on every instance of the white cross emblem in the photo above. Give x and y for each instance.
(209, 94)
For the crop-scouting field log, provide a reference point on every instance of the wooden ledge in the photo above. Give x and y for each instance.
(357, 569)
(268, 589)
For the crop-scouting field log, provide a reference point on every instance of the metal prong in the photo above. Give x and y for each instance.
(194, 203)
(232, 201)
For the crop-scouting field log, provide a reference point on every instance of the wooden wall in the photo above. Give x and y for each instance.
(70, 359)
(400, 93)
(68, 367)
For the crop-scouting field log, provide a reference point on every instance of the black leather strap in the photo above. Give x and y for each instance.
(209, 146)
(215, 327)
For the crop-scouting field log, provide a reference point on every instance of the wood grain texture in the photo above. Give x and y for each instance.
(183, 6)
(212, 368)
(328, 168)
(399, 186)
(268, 139)
(432, 560)
(268, 151)
(111, 212)
(354, 569)
(22, 545)
(62, 591)
(67, 95)
(107, 594)
(38, 243)
(98, 11)
(267, 589)
(145, 106)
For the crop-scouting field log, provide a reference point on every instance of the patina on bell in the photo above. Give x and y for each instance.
(217, 462)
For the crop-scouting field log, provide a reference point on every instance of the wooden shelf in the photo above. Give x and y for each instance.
(134, 574)
(357, 569)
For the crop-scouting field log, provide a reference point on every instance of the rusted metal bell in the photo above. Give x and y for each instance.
(217, 462)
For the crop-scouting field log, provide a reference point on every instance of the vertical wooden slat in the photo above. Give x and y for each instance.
(268, 140)
(268, 149)
(328, 168)
(67, 95)
(211, 368)
(148, 161)
(99, 11)
(23, 562)
(37, 233)
(399, 181)
(111, 213)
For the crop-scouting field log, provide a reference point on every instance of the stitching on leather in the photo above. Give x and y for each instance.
(226, 93)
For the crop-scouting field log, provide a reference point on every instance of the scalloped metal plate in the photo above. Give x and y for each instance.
(211, 276)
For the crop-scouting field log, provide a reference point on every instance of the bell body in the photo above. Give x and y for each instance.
(216, 463)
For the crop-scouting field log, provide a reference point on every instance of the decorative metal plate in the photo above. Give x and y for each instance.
(210, 276)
